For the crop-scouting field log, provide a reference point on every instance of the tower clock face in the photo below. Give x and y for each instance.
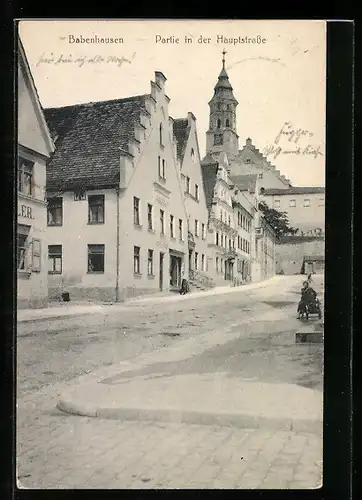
(218, 139)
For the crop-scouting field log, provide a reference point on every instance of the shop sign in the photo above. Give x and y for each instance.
(25, 211)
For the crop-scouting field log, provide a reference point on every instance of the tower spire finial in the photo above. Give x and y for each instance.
(223, 58)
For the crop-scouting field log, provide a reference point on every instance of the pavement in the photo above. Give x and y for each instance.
(236, 405)
(66, 309)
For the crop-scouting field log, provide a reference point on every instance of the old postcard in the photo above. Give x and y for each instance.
(170, 254)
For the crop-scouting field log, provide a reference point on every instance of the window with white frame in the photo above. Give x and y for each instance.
(180, 229)
(162, 222)
(150, 216)
(306, 202)
(95, 258)
(172, 226)
(150, 263)
(25, 176)
(161, 168)
(136, 211)
(55, 211)
(54, 259)
(96, 209)
(136, 260)
(292, 203)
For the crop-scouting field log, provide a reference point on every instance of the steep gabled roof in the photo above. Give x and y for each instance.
(24, 65)
(245, 182)
(181, 131)
(209, 176)
(294, 190)
(89, 140)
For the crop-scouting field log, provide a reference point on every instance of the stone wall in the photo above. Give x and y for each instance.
(291, 250)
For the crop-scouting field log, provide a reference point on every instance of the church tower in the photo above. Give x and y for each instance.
(221, 135)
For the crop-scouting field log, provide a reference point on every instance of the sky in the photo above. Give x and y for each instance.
(277, 70)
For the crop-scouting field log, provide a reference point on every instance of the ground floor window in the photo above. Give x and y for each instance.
(55, 259)
(22, 247)
(96, 258)
(136, 260)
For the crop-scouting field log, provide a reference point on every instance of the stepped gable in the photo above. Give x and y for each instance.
(209, 169)
(294, 190)
(249, 145)
(181, 132)
(90, 139)
(245, 182)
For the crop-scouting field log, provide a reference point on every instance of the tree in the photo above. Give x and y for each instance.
(277, 220)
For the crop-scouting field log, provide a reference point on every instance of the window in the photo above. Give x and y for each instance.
(292, 203)
(222, 240)
(55, 259)
(196, 227)
(96, 209)
(217, 264)
(218, 123)
(217, 238)
(96, 258)
(25, 176)
(161, 168)
(248, 160)
(149, 263)
(136, 211)
(172, 226)
(55, 211)
(227, 124)
(196, 191)
(192, 154)
(221, 215)
(277, 204)
(79, 196)
(202, 262)
(136, 260)
(203, 231)
(229, 220)
(150, 217)
(160, 132)
(229, 243)
(188, 185)
(180, 229)
(260, 176)
(22, 246)
(221, 265)
(306, 203)
(321, 202)
(162, 222)
(196, 260)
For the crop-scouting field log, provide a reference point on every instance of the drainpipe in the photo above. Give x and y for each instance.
(117, 248)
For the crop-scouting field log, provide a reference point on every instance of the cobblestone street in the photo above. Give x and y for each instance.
(248, 335)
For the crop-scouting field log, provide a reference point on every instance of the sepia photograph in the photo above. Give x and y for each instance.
(170, 254)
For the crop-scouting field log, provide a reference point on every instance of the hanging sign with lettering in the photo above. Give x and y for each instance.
(24, 211)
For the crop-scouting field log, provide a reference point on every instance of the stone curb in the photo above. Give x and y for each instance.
(238, 420)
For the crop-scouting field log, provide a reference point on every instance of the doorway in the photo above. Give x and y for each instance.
(161, 271)
(175, 271)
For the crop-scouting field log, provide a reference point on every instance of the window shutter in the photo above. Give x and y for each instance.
(36, 255)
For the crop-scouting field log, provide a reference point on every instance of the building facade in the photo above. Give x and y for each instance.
(117, 220)
(34, 148)
(188, 156)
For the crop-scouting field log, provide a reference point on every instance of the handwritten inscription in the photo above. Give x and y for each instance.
(79, 61)
(294, 138)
